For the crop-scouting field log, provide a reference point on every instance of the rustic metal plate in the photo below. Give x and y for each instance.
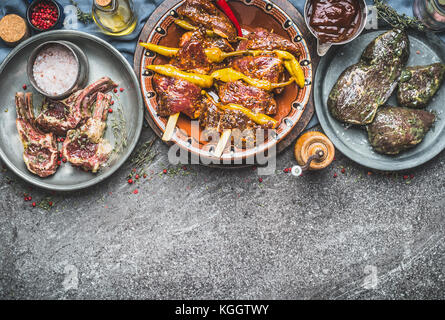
(104, 60)
(256, 13)
(352, 141)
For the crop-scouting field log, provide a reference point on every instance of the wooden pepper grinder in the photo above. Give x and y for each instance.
(313, 151)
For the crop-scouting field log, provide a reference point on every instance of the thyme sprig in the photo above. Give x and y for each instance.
(144, 154)
(396, 20)
(83, 17)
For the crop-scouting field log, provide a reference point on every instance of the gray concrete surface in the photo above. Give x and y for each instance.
(212, 233)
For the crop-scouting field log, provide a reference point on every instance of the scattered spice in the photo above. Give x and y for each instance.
(46, 204)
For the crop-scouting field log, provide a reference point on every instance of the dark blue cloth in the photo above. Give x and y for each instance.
(126, 45)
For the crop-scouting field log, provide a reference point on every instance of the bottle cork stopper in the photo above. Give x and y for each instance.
(13, 29)
(103, 3)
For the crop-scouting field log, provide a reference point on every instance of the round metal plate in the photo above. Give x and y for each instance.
(104, 60)
(352, 141)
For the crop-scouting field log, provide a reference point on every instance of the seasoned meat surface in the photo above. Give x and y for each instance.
(204, 13)
(85, 147)
(176, 95)
(258, 100)
(59, 116)
(365, 86)
(396, 129)
(40, 152)
(419, 84)
(261, 39)
(191, 55)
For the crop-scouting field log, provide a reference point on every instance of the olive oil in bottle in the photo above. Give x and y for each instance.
(114, 17)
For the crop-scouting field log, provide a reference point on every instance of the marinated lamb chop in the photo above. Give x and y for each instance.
(59, 116)
(204, 13)
(243, 128)
(85, 147)
(191, 55)
(261, 39)
(419, 84)
(365, 86)
(40, 149)
(258, 100)
(266, 67)
(396, 129)
(176, 95)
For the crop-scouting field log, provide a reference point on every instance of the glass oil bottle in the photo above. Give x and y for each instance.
(114, 17)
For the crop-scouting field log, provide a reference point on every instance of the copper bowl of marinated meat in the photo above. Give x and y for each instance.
(225, 97)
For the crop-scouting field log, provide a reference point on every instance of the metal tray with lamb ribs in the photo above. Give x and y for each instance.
(74, 131)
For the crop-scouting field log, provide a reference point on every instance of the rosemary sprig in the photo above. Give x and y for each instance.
(83, 17)
(396, 20)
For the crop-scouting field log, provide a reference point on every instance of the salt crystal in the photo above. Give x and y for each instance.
(55, 70)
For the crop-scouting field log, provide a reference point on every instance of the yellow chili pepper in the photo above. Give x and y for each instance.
(290, 62)
(258, 118)
(231, 75)
(217, 55)
(165, 51)
(201, 80)
(293, 66)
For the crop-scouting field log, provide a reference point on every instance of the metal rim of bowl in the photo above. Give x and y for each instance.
(138, 129)
(359, 31)
(30, 69)
(28, 15)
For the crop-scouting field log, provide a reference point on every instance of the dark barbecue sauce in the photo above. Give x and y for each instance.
(334, 20)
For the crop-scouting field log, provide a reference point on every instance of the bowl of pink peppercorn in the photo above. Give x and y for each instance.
(44, 15)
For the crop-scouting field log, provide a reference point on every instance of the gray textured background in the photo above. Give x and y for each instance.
(212, 233)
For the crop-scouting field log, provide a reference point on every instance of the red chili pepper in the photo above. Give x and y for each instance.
(222, 4)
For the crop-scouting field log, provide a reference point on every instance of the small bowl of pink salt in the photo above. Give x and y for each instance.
(56, 69)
